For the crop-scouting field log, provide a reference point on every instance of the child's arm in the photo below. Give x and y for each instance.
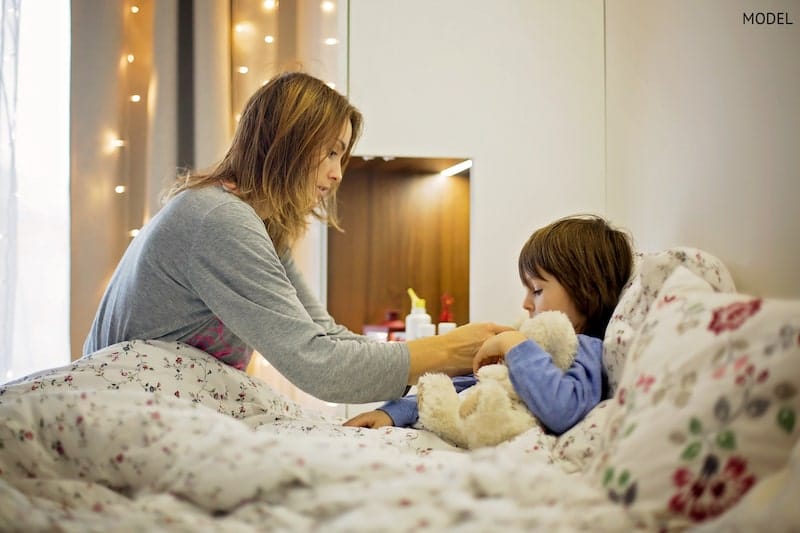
(402, 412)
(559, 399)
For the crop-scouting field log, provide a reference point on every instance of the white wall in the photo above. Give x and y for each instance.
(699, 114)
(517, 85)
(704, 133)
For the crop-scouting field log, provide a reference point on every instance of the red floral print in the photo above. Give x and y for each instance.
(621, 396)
(645, 382)
(710, 493)
(732, 316)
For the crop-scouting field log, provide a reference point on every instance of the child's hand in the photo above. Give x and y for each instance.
(495, 348)
(371, 419)
(451, 353)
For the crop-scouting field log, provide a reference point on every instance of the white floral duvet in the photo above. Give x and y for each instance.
(149, 436)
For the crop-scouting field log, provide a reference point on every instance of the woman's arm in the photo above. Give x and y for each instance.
(451, 353)
(236, 272)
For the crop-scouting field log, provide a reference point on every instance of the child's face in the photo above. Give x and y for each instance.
(547, 294)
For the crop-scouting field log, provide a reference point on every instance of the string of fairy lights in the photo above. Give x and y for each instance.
(130, 141)
(269, 37)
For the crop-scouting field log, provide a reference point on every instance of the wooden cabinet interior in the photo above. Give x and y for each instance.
(402, 229)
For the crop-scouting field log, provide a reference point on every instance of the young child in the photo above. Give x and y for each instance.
(577, 265)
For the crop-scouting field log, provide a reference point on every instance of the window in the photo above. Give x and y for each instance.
(36, 180)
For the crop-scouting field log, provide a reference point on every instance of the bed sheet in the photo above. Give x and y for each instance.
(152, 435)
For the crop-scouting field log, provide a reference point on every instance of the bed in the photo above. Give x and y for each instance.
(700, 434)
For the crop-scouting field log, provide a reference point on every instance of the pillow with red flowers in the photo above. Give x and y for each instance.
(650, 271)
(707, 404)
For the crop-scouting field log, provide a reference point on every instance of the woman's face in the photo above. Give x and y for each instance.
(329, 173)
(547, 294)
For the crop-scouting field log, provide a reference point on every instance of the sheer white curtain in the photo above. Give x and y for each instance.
(9, 44)
(34, 186)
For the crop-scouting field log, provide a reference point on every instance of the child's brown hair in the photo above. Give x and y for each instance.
(589, 258)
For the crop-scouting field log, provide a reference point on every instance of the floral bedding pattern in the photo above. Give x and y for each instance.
(707, 405)
(188, 442)
(651, 269)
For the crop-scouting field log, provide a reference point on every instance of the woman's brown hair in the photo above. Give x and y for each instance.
(589, 258)
(276, 150)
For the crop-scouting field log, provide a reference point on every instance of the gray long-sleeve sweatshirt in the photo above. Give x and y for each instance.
(205, 272)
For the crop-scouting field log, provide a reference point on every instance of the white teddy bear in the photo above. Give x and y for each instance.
(491, 412)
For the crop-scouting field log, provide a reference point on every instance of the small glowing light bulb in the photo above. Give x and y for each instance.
(330, 41)
(134, 232)
(269, 4)
(269, 39)
(134, 9)
(243, 70)
(119, 189)
(131, 58)
(135, 98)
(328, 6)
(117, 143)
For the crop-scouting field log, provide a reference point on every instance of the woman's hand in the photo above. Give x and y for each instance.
(370, 419)
(451, 353)
(494, 350)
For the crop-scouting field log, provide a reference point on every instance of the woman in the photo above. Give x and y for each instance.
(213, 268)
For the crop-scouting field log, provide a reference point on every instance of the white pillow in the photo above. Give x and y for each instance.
(650, 271)
(707, 404)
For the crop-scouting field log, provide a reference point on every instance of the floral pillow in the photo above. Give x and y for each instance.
(650, 271)
(707, 405)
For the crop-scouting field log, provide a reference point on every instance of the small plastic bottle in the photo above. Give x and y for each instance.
(426, 330)
(445, 327)
(418, 315)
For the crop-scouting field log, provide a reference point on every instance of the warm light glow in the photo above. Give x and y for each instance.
(455, 169)
(243, 70)
(238, 117)
(269, 39)
(328, 6)
(119, 189)
(134, 9)
(331, 41)
(242, 27)
(270, 4)
(130, 58)
(117, 143)
(133, 232)
(331, 85)
(135, 98)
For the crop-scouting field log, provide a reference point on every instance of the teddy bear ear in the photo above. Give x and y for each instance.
(497, 372)
(554, 332)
